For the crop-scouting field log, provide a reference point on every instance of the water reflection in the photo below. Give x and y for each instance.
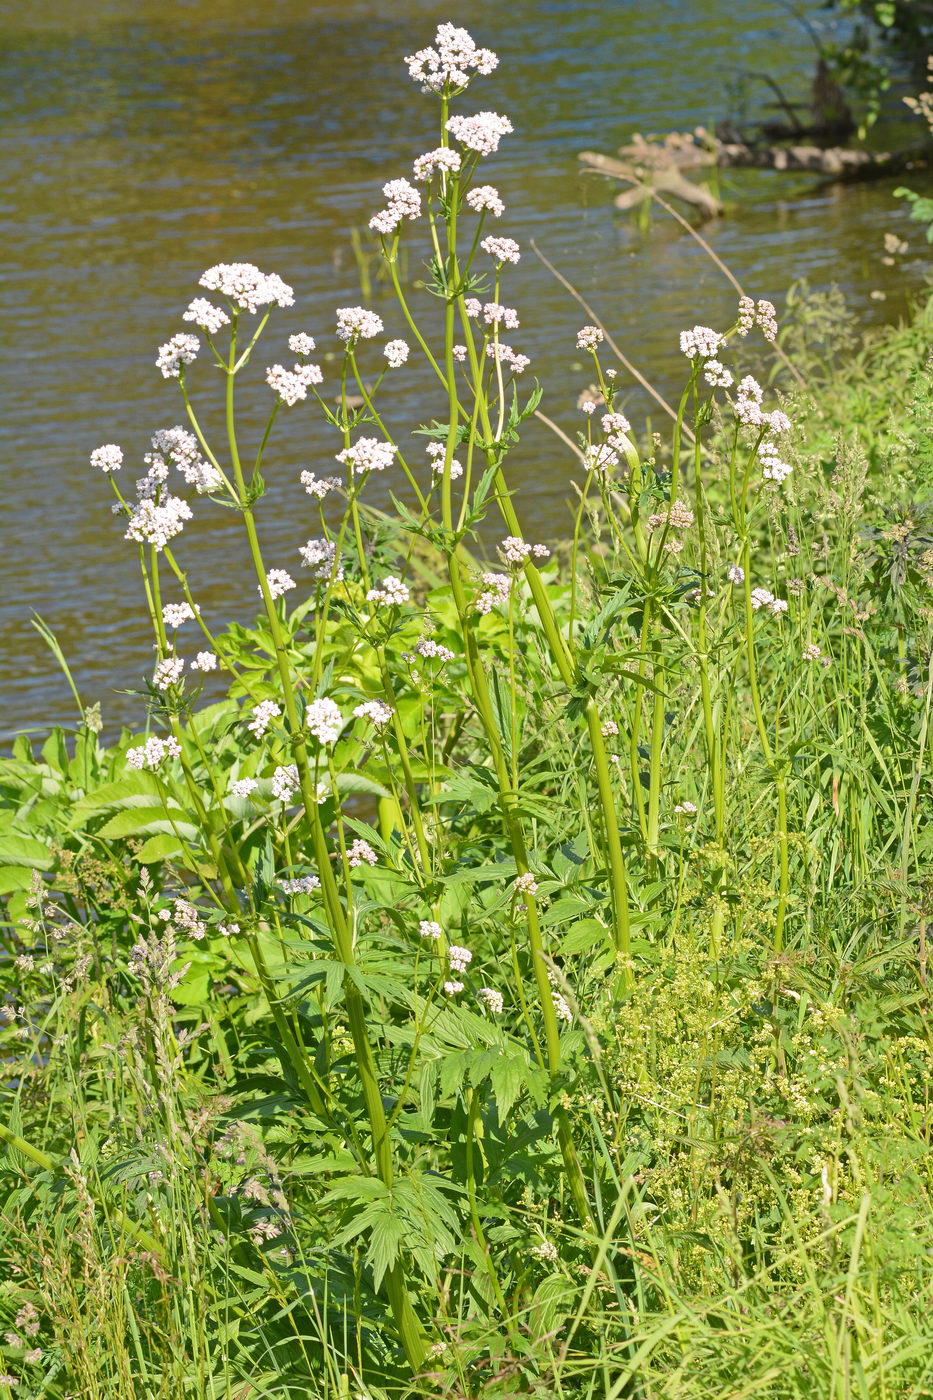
(135, 152)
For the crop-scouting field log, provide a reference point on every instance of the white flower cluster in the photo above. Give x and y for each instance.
(761, 314)
(437, 452)
(278, 582)
(108, 458)
(263, 715)
(459, 958)
(188, 918)
(496, 315)
(324, 721)
(678, 516)
(368, 455)
(526, 884)
(393, 592)
(285, 782)
(811, 652)
(182, 349)
(589, 337)
(247, 287)
(360, 852)
(452, 61)
(702, 341)
(404, 203)
(292, 385)
(761, 598)
(206, 315)
(174, 614)
(396, 353)
(686, 809)
(491, 999)
(453, 988)
(319, 486)
(496, 590)
(153, 753)
(301, 343)
(736, 573)
(504, 250)
(505, 355)
(600, 457)
(561, 1006)
(154, 524)
(747, 408)
(168, 672)
(772, 467)
(376, 711)
(243, 787)
(204, 661)
(429, 928)
(319, 556)
(486, 198)
(178, 446)
(609, 729)
(301, 884)
(356, 323)
(481, 132)
(716, 374)
(441, 158)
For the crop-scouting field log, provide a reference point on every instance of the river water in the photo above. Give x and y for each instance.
(141, 144)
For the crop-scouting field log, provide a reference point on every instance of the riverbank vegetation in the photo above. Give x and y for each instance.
(516, 982)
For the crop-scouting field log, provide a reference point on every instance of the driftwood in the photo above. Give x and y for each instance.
(660, 164)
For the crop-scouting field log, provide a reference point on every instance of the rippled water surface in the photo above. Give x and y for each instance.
(141, 143)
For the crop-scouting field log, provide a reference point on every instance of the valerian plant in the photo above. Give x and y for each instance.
(471, 1000)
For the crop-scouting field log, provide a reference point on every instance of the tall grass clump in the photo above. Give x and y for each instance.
(517, 982)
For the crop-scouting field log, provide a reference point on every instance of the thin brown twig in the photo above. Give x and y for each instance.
(609, 340)
(559, 432)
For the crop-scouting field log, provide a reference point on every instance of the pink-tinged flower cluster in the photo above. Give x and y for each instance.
(761, 314)
(323, 720)
(494, 314)
(356, 323)
(246, 287)
(589, 338)
(430, 928)
(452, 61)
(243, 787)
(526, 884)
(437, 452)
(301, 343)
(748, 410)
(600, 457)
(263, 715)
(736, 573)
(285, 782)
(361, 852)
(319, 486)
(485, 199)
(206, 315)
(513, 550)
(701, 341)
(762, 598)
(108, 458)
(505, 355)
(153, 753)
(404, 203)
(301, 884)
(368, 455)
(178, 446)
(481, 133)
(441, 158)
(181, 350)
(168, 672)
(278, 582)
(616, 426)
(376, 711)
(292, 385)
(396, 353)
(320, 556)
(393, 592)
(431, 650)
(496, 590)
(504, 250)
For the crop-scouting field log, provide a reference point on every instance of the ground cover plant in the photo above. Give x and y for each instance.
(517, 982)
